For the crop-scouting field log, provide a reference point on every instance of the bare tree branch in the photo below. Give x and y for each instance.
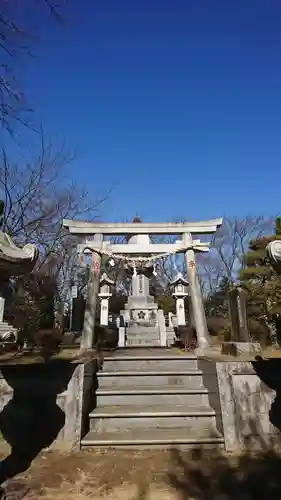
(16, 38)
(38, 195)
(229, 245)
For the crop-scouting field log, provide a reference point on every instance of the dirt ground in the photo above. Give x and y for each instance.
(97, 474)
(149, 475)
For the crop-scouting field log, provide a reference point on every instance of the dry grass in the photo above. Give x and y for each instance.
(150, 475)
(98, 474)
(269, 352)
(124, 492)
(71, 354)
(214, 353)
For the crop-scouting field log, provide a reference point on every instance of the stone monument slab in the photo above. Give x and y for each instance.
(237, 300)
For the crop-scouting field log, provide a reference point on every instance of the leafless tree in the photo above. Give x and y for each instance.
(225, 257)
(37, 196)
(17, 35)
(228, 246)
(168, 265)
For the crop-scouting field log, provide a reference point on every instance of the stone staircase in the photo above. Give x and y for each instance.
(151, 398)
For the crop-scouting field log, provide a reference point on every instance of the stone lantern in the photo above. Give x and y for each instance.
(105, 293)
(180, 286)
(273, 251)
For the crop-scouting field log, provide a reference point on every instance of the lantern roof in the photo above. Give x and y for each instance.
(179, 280)
(105, 280)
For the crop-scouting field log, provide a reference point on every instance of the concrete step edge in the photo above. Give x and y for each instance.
(149, 373)
(154, 414)
(151, 358)
(151, 442)
(138, 391)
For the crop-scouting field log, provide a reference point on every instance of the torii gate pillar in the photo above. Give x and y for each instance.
(198, 311)
(88, 332)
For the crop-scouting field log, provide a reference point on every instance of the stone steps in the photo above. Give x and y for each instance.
(153, 438)
(138, 362)
(187, 379)
(124, 418)
(151, 398)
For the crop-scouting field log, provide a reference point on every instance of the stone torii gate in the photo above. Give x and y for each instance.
(149, 251)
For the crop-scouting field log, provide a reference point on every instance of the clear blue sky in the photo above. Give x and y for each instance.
(177, 101)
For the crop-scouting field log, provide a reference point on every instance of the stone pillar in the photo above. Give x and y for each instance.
(121, 336)
(104, 311)
(198, 311)
(2, 305)
(88, 337)
(180, 311)
(191, 322)
(162, 328)
(170, 314)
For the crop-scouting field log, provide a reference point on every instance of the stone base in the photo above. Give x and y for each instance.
(240, 348)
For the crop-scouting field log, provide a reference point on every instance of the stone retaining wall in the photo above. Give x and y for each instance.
(246, 397)
(46, 405)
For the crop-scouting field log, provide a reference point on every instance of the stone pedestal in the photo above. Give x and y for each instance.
(180, 311)
(104, 310)
(140, 304)
(240, 348)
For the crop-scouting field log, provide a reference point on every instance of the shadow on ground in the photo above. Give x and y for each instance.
(205, 475)
(32, 420)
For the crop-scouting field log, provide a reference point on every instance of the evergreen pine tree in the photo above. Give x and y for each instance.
(216, 303)
(263, 285)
